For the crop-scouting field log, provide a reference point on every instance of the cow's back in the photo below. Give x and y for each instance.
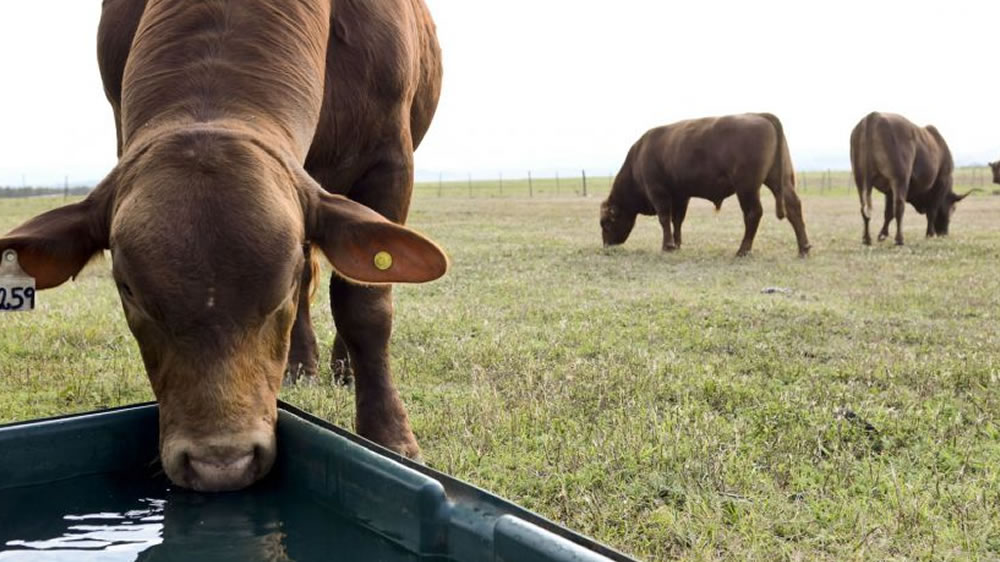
(896, 150)
(383, 80)
(706, 157)
(896, 141)
(119, 21)
(938, 150)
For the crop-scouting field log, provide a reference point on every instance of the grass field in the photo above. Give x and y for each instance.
(663, 404)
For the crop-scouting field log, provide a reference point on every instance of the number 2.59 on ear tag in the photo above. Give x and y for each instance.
(17, 288)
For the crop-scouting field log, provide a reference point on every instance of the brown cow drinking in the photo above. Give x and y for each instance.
(909, 164)
(210, 213)
(711, 158)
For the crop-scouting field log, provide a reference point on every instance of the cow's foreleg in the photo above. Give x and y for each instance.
(752, 212)
(899, 205)
(363, 315)
(889, 213)
(302, 354)
(340, 362)
(931, 230)
(680, 208)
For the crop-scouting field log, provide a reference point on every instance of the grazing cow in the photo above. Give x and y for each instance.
(995, 168)
(909, 164)
(711, 158)
(239, 123)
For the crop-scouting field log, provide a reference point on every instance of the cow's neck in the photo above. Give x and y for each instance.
(627, 195)
(256, 67)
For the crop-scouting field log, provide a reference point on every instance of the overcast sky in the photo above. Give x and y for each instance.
(568, 84)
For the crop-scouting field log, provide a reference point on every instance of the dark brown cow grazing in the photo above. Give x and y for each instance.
(995, 168)
(222, 108)
(909, 164)
(711, 158)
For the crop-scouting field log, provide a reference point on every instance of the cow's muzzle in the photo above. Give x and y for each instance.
(219, 463)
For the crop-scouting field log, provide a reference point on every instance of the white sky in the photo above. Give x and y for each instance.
(568, 84)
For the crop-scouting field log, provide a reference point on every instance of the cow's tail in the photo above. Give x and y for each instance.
(314, 273)
(862, 168)
(958, 198)
(782, 165)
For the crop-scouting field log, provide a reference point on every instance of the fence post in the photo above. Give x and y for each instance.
(470, 184)
(584, 182)
(65, 188)
(531, 188)
(440, 182)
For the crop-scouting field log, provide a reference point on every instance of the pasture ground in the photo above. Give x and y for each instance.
(661, 403)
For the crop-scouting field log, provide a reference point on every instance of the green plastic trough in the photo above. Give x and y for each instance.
(87, 487)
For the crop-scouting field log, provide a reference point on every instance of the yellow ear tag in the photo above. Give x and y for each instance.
(383, 261)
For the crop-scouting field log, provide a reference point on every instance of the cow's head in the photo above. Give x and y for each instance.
(616, 223)
(206, 233)
(995, 168)
(942, 217)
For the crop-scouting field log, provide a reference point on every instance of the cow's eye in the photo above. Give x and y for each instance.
(124, 289)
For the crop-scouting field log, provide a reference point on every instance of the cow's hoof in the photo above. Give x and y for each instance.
(411, 451)
(297, 373)
(742, 253)
(405, 448)
(670, 248)
(899, 242)
(343, 373)
(804, 252)
(866, 241)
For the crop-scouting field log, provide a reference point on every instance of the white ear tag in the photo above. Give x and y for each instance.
(17, 288)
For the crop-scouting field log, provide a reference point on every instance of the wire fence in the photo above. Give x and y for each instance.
(18, 192)
(580, 184)
(530, 184)
(964, 179)
(588, 184)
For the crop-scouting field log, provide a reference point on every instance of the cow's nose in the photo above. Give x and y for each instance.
(222, 470)
(221, 462)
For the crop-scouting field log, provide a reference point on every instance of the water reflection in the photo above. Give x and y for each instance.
(105, 536)
(238, 526)
(108, 518)
(171, 525)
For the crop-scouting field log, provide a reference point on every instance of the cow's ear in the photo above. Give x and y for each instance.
(365, 247)
(57, 244)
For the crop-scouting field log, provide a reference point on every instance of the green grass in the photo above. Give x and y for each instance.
(660, 403)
